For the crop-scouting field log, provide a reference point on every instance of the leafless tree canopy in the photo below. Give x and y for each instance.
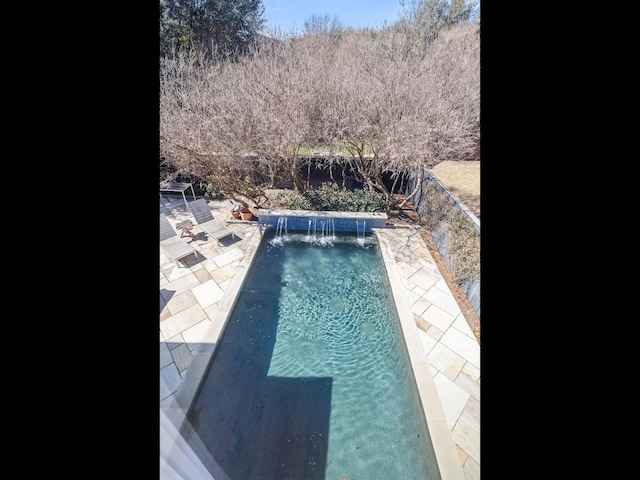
(360, 95)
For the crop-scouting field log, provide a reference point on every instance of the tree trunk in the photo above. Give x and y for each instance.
(415, 190)
(298, 181)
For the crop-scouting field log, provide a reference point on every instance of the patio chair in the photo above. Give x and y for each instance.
(171, 243)
(206, 221)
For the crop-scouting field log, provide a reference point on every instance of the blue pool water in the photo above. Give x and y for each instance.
(310, 378)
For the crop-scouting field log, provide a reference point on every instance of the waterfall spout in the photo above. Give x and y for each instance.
(282, 234)
(360, 235)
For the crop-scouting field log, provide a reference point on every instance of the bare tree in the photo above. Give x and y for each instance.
(278, 86)
(396, 114)
(245, 125)
(316, 24)
(203, 126)
(423, 20)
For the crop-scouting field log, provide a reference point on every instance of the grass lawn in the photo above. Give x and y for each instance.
(462, 178)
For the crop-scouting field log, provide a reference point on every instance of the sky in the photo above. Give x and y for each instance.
(288, 15)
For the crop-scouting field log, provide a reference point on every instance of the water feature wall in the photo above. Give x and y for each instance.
(359, 222)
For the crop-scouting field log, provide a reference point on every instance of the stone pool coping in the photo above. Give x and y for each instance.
(441, 437)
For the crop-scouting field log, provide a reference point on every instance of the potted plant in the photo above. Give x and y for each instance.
(235, 212)
(246, 214)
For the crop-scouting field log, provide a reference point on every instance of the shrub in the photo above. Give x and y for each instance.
(435, 207)
(210, 192)
(463, 248)
(329, 197)
(292, 200)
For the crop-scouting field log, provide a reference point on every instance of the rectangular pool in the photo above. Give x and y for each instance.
(310, 378)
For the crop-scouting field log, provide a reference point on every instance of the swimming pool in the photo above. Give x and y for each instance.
(310, 377)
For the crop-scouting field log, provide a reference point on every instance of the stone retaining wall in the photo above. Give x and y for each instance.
(471, 287)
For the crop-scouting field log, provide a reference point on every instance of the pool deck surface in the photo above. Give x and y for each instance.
(192, 292)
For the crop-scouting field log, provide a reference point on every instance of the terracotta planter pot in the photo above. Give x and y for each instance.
(246, 214)
(235, 214)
